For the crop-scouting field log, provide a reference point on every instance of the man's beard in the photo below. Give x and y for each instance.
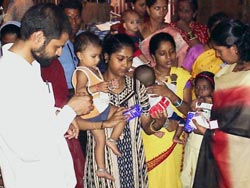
(41, 57)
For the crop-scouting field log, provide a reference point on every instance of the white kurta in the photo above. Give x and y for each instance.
(33, 150)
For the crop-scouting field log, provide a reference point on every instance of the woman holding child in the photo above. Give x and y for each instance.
(130, 169)
(164, 161)
(224, 154)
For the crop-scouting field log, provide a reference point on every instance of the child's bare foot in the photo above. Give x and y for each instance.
(176, 139)
(159, 134)
(102, 173)
(111, 143)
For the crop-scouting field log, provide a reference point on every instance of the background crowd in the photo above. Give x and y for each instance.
(72, 108)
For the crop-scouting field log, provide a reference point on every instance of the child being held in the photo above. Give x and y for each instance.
(146, 75)
(131, 22)
(88, 78)
(201, 106)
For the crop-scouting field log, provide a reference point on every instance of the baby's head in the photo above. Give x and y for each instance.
(131, 21)
(204, 84)
(88, 47)
(145, 74)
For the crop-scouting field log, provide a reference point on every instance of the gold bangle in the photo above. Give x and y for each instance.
(152, 128)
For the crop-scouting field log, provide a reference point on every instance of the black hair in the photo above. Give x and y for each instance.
(156, 40)
(215, 19)
(84, 39)
(206, 75)
(71, 4)
(114, 43)
(45, 17)
(10, 29)
(233, 32)
(193, 4)
(145, 74)
(150, 3)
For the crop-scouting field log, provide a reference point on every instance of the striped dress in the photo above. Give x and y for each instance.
(130, 170)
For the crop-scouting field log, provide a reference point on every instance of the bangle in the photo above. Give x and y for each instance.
(178, 103)
(88, 90)
(151, 126)
(102, 125)
(191, 35)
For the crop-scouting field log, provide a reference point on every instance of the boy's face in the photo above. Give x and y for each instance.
(132, 23)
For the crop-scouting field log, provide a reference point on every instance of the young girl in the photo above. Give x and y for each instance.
(87, 78)
(203, 88)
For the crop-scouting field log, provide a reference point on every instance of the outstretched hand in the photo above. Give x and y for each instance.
(200, 129)
(73, 130)
(116, 118)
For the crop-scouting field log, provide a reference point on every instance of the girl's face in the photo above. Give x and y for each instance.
(203, 88)
(90, 56)
(185, 11)
(158, 10)
(120, 62)
(228, 55)
(165, 55)
(140, 7)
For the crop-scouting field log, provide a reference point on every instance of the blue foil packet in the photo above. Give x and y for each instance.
(188, 128)
(133, 112)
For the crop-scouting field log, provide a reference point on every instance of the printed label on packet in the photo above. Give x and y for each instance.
(133, 112)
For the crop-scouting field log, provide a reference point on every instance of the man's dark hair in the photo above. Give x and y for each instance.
(45, 17)
(72, 4)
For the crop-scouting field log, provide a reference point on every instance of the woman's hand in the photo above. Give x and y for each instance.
(159, 90)
(116, 118)
(200, 129)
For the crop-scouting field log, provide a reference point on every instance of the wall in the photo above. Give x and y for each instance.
(238, 9)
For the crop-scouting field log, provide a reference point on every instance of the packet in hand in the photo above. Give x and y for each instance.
(133, 112)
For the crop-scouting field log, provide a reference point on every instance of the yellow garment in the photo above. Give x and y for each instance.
(167, 173)
(207, 61)
(182, 77)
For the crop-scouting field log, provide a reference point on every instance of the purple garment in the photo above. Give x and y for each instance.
(191, 56)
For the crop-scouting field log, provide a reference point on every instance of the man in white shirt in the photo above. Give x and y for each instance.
(33, 150)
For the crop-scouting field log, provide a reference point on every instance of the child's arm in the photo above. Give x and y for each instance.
(177, 136)
(143, 59)
(82, 81)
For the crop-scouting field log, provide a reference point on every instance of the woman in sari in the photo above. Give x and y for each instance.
(201, 57)
(157, 10)
(224, 155)
(164, 156)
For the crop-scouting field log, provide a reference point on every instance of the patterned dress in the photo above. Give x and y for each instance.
(130, 170)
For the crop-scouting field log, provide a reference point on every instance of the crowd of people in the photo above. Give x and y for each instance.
(153, 104)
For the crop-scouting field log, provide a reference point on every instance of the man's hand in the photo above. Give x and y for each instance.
(73, 130)
(81, 103)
